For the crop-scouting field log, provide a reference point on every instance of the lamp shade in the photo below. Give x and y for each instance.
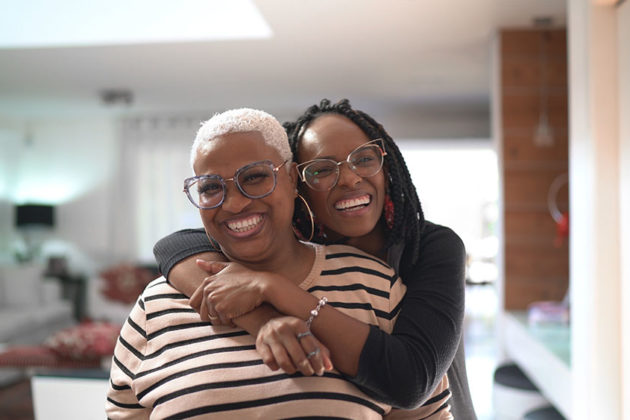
(34, 214)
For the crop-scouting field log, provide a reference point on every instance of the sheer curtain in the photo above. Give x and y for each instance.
(149, 203)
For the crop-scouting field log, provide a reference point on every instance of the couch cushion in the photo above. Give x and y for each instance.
(17, 322)
(86, 341)
(21, 285)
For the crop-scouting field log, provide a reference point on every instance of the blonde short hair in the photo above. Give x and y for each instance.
(242, 120)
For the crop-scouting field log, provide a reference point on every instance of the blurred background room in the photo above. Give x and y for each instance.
(508, 112)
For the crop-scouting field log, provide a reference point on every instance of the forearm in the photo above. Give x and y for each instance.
(402, 369)
(343, 335)
(254, 320)
(178, 246)
(186, 276)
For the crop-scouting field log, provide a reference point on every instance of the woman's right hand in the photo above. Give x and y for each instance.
(286, 343)
(230, 291)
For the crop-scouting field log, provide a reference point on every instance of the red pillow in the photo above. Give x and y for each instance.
(124, 283)
(86, 341)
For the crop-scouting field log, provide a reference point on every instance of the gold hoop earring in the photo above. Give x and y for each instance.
(310, 215)
(214, 244)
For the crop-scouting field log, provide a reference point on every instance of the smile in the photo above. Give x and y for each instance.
(353, 203)
(244, 225)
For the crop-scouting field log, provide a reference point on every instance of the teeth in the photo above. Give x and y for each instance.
(244, 225)
(354, 202)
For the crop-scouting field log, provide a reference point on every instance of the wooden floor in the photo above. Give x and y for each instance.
(16, 402)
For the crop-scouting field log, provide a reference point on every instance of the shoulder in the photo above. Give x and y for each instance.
(441, 251)
(436, 236)
(159, 285)
(160, 289)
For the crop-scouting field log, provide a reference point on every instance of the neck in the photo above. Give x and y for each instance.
(291, 259)
(373, 243)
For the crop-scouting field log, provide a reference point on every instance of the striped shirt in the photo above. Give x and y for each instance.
(168, 364)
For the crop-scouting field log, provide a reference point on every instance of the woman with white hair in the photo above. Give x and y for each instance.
(168, 364)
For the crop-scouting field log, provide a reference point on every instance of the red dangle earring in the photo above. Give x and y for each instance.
(389, 211)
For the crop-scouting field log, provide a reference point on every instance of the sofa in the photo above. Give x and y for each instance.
(31, 309)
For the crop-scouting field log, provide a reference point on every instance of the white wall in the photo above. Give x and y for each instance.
(69, 163)
(623, 50)
(597, 333)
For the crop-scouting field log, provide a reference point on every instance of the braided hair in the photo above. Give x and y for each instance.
(408, 215)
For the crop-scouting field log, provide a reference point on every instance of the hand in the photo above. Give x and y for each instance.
(197, 302)
(229, 292)
(280, 348)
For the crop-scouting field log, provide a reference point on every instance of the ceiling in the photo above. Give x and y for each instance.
(389, 56)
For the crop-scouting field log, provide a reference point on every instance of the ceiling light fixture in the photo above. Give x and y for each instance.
(543, 134)
(112, 97)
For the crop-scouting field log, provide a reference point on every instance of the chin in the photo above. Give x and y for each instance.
(354, 231)
(246, 255)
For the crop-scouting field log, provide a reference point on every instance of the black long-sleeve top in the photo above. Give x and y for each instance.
(401, 368)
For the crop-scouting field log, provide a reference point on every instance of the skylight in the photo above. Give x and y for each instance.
(67, 23)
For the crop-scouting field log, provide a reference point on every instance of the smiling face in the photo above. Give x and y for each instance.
(353, 207)
(248, 230)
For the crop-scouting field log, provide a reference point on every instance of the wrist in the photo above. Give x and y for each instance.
(267, 288)
(315, 312)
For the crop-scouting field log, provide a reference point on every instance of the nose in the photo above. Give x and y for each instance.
(234, 201)
(347, 177)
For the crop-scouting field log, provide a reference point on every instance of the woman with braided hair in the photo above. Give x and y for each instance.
(382, 218)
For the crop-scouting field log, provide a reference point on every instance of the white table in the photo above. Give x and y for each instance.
(70, 395)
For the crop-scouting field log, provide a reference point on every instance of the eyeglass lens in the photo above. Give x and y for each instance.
(322, 174)
(254, 181)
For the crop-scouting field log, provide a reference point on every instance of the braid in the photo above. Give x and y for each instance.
(408, 215)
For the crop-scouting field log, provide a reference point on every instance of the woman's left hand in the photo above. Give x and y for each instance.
(286, 343)
(233, 291)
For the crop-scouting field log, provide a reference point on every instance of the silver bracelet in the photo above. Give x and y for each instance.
(315, 312)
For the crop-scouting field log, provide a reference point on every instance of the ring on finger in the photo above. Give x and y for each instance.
(304, 334)
(313, 353)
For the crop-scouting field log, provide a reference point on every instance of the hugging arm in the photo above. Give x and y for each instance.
(345, 338)
(177, 256)
(403, 368)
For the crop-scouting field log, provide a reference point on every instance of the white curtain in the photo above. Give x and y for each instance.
(154, 161)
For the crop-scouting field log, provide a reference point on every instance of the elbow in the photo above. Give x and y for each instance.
(408, 403)
(407, 392)
(408, 399)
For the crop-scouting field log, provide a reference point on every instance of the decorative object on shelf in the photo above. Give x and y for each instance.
(561, 218)
(548, 312)
(553, 312)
